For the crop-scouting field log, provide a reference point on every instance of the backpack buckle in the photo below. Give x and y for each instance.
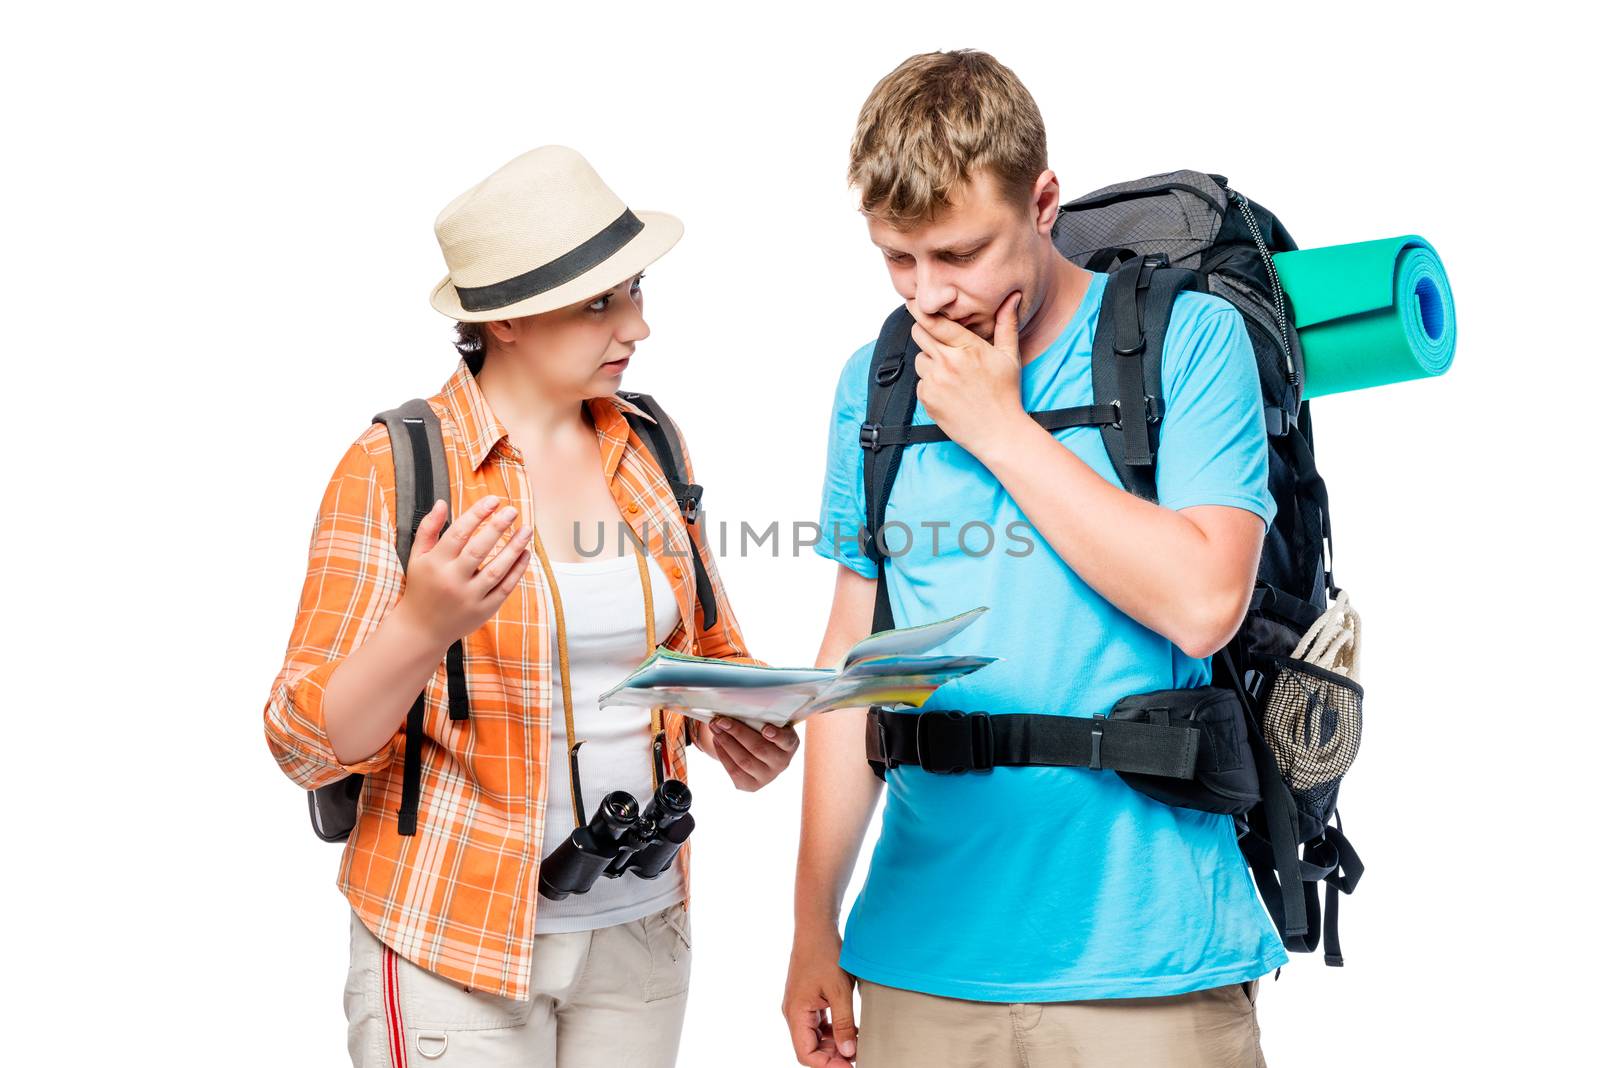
(1097, 731)
(869, 435)
(1154, 409)
(689, 501)
(876, 722)
(889, 370)
(949, 742)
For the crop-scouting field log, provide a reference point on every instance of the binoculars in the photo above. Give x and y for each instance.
(619, 839)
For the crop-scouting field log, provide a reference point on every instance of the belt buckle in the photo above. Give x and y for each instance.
(878, 725)
(949, 742)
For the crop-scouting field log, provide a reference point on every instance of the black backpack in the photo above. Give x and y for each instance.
(1159, 236)
(421, 478)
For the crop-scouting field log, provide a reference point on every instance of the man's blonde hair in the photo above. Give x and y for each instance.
(932, 123)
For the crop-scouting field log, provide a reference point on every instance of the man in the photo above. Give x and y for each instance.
(1026, 915)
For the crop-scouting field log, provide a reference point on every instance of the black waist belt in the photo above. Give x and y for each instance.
(946, 741)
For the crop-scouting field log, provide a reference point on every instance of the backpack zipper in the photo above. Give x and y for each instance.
(1272, 275)
(1086, 203)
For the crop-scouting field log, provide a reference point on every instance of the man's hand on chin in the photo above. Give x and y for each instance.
(971, 388)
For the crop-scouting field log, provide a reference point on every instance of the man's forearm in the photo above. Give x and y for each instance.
(1151, 562)
(839, 795)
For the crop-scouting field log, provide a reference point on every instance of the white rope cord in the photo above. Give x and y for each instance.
(1334, 640)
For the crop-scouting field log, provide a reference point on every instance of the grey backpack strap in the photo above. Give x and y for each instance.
(420, 478)
(413, 436)
(414, 433)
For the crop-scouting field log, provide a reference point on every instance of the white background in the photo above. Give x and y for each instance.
(218, 252)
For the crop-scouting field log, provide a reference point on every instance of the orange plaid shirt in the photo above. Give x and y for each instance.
(458, 898)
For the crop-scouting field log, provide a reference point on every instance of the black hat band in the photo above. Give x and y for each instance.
(559, 271)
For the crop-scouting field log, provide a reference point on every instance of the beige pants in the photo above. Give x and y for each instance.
(604, 998)
(1206, 1029)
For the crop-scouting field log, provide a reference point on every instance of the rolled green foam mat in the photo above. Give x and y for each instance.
(1370, 313)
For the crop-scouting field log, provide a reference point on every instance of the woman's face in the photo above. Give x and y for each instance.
(579, 351)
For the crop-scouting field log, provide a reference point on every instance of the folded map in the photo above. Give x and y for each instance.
(887, 668)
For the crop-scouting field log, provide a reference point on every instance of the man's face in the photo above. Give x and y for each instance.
(969, 258)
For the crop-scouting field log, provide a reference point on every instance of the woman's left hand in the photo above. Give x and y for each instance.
(752, 758)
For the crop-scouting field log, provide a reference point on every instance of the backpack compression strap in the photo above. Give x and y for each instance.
(1145, 297)
(891, 398)
(891, 402)
(420, 478)
(661, 437)
(1133, 321)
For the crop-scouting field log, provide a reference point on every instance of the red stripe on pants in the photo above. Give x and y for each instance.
(391, 1008)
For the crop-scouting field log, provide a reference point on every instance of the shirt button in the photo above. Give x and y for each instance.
(632, 508)
(676, 571)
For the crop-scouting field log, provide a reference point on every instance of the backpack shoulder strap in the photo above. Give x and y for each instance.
(891, 401)
(661, 438)
(420, 478)
(1134, 314)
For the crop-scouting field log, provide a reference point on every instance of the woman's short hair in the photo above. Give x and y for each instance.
(470, 344)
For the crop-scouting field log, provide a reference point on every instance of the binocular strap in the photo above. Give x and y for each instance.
(573, 743)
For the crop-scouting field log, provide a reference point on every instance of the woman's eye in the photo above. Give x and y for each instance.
(601, 303)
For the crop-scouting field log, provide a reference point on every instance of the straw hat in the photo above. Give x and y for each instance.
(541, 233)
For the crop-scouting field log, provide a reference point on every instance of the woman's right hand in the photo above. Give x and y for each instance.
(453, 583)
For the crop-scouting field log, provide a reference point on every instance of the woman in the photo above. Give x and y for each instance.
(460, 951)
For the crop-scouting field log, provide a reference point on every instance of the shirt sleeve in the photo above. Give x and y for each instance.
(353, 578)
(843, 515)
(1213, 436)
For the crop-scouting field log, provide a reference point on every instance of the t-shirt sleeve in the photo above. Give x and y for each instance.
(843, 512)
(1213, 437)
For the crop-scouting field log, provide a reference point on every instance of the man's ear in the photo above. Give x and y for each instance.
(1046, 201)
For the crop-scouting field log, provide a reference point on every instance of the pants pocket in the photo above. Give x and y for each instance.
(433, 1003)
(363, 998)
(667, 936)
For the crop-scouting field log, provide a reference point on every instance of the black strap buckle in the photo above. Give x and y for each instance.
(949, 742)
(688, 497)
(879, 720)
(869, 435)
(1096, 732)
(889, 370)
(1138, 347)
(1154, 409)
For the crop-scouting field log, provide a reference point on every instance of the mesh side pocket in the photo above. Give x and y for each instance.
(1312, 724)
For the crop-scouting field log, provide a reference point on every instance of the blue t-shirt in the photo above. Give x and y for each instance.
(1053, 884)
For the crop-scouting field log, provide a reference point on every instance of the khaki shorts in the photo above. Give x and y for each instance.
(603, 998)
(1213, 1028)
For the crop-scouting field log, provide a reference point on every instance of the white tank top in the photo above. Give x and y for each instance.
(603, 604)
